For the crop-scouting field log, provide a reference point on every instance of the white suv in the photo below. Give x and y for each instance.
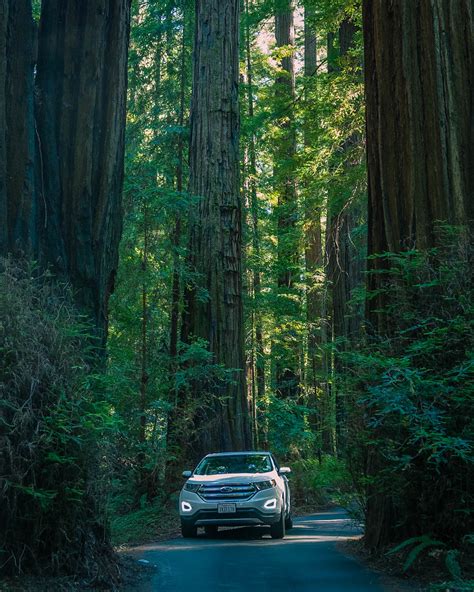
(236, 489)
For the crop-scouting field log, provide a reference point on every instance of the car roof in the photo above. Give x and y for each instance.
(239, 453)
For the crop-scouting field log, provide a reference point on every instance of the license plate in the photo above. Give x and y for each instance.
(226, 509)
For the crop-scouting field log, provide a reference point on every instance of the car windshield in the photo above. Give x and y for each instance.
(235, 463)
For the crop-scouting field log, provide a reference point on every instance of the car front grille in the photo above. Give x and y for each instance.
(231, 492)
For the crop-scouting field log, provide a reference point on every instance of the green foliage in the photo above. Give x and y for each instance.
(415, 387)
(288, 429)
(328, 109)
(318, 482)
(144, 524)
(406, 390)
(141, 375)
(53, 421)
(36, 9)
(419, 545)
(452, 564)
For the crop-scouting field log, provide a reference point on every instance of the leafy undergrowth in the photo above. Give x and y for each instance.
(317, 484)
(152, 522)
(53, 423)
(428, 572)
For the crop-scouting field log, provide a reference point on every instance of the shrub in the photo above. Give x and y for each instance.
(413, 389)
(319, 482)
(51, 424)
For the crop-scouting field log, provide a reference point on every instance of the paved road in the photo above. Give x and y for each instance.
(248, 560)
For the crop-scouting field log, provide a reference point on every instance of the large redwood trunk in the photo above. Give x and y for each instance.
(3, 123)
(214, 304)
(419, 60)
(18, 205)
(62, 140)
(81, 100)
(258, 350)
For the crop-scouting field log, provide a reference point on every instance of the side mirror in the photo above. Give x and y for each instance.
(187, 474)
(285, 470)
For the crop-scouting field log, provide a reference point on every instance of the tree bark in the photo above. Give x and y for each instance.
(216, 223)
(344, 262)
(81, 99)
(285, 349)
(313, 246)
(18, 204)
(4, 9)
(175, 439)
(259, 361)
(176, 237)
(314, 256)
(419, 59)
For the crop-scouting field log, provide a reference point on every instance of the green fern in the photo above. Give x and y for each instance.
(469, 539)
(452, 564)
(421, 543)
(406, 543)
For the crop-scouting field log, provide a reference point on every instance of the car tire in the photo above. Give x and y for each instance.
(277, 530)
(289, 522)
(188, 531)
(211, 530)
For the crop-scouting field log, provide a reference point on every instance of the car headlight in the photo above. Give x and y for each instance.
(260, 485)
(192, 487)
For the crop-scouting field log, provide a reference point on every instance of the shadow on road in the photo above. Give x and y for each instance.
(316, 528)
(323, 527)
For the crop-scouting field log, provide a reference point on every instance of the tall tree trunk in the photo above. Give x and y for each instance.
(344, 269)
(259, 361)
(419, 60)
(216, 224)
(18, 204)
(175, 445)
(314, 257)
(4, 6)
(419, 66)
(80, 109)
(286, 350)
(176, 237)
(61, 162)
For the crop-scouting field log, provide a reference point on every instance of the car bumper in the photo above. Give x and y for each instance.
(242, 517)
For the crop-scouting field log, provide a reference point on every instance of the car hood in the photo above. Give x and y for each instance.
(233, 478)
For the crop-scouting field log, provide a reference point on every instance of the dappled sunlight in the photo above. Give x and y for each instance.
(306, 530)
(202, 543)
